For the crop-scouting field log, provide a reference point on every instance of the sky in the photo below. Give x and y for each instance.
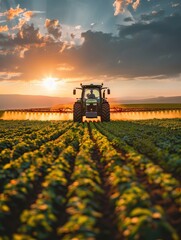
(48, 47)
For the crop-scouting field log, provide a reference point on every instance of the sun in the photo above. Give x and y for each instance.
(49, 83)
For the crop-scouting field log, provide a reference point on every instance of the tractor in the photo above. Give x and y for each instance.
(92, 103)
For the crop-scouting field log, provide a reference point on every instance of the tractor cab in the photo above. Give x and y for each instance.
(92, 103)
(91, 97)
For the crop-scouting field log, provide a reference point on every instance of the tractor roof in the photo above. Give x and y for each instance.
(91, 86)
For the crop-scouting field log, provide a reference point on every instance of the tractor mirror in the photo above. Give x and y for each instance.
(104, 95)
(108, 91)
(74, 92)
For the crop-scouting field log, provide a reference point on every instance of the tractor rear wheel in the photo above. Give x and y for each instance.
(77, 114)
(105, 116)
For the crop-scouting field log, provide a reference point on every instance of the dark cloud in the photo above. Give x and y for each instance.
(28, 35)
(128, 19)
(169, 28)
(152, 15)
(140, 50)
(53, 28)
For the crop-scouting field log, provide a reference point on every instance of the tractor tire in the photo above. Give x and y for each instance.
(77, 114)
(105, 115)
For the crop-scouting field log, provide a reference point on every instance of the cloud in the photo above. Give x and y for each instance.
(120, 5)
(136, 4)
(153, 15)
(128, 19)
(174, 5)
(30, 51)
(22, 21)
(28, 34)
(78, 27)
(53, 28)
(16, 45)
(4, 28)
(9, 75)
(28, 15)
(64, 67)
(13, 12)
(23, 16)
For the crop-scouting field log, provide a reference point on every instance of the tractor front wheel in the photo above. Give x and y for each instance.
(77, 114)
(105, 116)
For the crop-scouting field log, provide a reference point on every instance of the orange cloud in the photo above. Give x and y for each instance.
(120, 5)
(4, 28)
(28, 15)
(136, 4)
(51, 23)
(13, 12)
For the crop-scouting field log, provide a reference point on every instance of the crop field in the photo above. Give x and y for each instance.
(118, 180)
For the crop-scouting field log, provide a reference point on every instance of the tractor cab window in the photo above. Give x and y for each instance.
(90, 93)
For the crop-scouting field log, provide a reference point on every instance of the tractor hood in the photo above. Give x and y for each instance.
(91, 101)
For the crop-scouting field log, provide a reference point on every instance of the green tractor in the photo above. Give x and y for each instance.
(92, 103)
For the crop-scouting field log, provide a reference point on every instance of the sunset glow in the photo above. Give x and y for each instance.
(49, 83)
